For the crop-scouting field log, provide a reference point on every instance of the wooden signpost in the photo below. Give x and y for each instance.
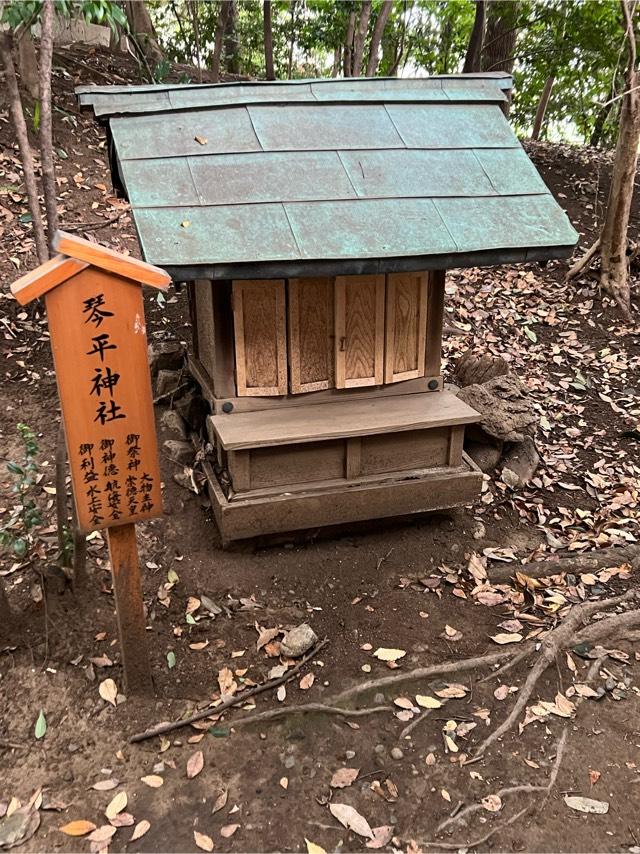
(96, 321)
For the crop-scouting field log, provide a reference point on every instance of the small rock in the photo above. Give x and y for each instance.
(289, 761)
(298, 641)
(479, 531)
(349, 754)
(520, 463)
(379, 749)
(378, 698)
(72, 748)
(167, 381)
(174, 423)
(455, 547)
(396, 753)
(178, 451)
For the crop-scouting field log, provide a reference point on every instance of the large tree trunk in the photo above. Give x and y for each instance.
(376, 38)
(20, 127)
(268, 40)
(218, 41)
(543, 103)
(142, 30)
(46, 121)
(500, 38)
(348, 45)
(360, 37)
(474, 48)
(231, 42)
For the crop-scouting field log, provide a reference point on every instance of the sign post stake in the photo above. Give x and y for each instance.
(95, 313)
(127, 592)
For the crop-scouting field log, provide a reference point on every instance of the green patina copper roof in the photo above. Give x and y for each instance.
(328, 176)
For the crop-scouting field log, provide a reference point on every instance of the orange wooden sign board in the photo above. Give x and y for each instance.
(98, 337)
(99, 344)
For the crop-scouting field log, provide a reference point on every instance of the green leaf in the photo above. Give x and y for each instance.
(41, 725)
(171, 659)
(173, 577)
(20, 547)
(190, 620)
(531, 335)
(14, 468)
(218, 731)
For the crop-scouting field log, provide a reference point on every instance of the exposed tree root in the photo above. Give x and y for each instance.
(575, 563)
(307, 708)
(583, 262)
(444, 669)
(565, 635)
(502, 793)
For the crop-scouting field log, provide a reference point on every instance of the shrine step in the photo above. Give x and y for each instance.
(339, 420)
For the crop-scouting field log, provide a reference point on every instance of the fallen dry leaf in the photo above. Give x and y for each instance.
(312, 848)
(203, 841)
(507, 637)
(428, 702)
(140, 829)
(108, 690)
(381, 836)
(351, 819)
(221, 801)
(80, 827)
(228, 830)
(105, 785)
(102, 835)
(492, 803)
(154, 781)
(344, 777)
(387, 654)
(588, 805)
(116, 805)
(195, 764)
(307, 681)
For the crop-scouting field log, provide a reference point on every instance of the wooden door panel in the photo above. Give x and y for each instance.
(359, 331)
(310, 315)
(260, 337)
(406, 326)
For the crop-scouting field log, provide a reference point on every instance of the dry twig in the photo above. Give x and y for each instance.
(216, 711)
(307, 708)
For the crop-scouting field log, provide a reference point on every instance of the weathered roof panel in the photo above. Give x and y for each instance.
(328, 176)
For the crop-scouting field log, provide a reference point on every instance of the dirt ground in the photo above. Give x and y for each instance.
(399, 585)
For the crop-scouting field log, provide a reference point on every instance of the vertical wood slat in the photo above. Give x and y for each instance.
(224, 382)
(359, 331)
(310, 316)
(353, 459)
(260, 337)
(456, 441)
(203, 298)
(406, 326)
(435, 318)
(239, 463)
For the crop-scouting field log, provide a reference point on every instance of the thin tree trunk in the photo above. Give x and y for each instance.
(613, 240)
(543, 103)
(601, 119)
(501, 33)
(376, 38)
(337, 61)
(348, 45)
(292, 38)
(231, 43)
(218, 41)
(474, 48)
(268, 40)
(194, 9)
(142, 29)
(360, 37)
(20, 126)
(46, 121)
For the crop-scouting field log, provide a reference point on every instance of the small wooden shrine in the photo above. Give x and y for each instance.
(314, 221)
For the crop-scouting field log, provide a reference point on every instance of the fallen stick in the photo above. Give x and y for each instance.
(573, 562)
(307, 708)
(609, 627)
(557, 640)
(501, 793)
(424, 673)
(161, 729)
